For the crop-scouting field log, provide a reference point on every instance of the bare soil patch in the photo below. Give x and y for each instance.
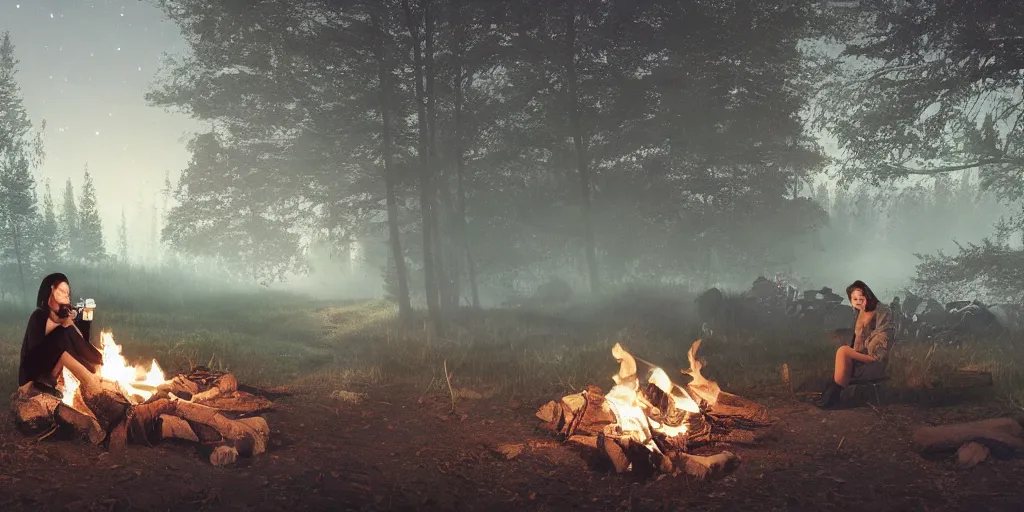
(393, 449)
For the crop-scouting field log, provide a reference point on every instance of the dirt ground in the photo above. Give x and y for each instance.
(407, 453)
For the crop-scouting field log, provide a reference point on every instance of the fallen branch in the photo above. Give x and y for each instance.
(1003, 436)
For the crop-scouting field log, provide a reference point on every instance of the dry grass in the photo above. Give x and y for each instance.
(274, 339)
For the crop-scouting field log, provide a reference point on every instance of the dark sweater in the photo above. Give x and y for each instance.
(40, 352)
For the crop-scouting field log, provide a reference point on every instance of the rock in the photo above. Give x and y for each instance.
(971, 454)
(223, 456)
(348, 396)
(468, 394)
(508, 451)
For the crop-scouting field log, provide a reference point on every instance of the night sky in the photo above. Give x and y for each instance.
(85, 67)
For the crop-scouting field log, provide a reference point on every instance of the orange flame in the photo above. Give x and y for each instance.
(71, 385)
(115, 368)
(632, 412)
(704, 388)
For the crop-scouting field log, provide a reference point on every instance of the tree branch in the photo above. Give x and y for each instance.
(936, 171)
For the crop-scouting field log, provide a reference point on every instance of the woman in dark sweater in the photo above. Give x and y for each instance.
(56, 338)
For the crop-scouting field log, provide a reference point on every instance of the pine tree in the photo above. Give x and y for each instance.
(154, 234)
(90, 227)
(168, 256)
(51, 243)
(18, 221)
(138, 235)
(18, 154)
(69, 225)
(122, 239)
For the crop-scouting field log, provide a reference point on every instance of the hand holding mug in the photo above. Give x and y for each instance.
(69, 320)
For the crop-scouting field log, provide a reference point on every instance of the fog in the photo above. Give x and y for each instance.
(604, 174)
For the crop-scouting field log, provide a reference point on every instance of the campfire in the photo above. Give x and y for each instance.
(657, 425)
(139, 404)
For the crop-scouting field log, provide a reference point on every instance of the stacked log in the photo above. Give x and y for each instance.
(656, 426)
(731, 421)
(201, 406)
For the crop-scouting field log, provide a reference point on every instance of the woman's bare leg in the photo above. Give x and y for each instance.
(84, 376)
(844, 366)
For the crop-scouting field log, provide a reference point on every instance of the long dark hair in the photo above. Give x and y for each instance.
(46, 288)
(872, 300)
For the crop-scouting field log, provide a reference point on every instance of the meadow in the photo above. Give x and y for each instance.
(366, 418)
(274, 339)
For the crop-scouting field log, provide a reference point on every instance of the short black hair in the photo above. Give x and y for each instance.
(868, 294)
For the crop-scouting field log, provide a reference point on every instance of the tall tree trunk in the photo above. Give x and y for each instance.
(426, 191)
(460, 161)
(18, 256)
(580, 141)
(394, 235)
(442, 200)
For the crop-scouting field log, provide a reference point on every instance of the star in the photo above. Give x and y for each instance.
(69, 91)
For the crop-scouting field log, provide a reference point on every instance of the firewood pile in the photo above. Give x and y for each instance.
(200, 406)
(658, 426)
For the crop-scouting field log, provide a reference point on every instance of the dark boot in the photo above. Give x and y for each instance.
(830, 397)
(47, 387)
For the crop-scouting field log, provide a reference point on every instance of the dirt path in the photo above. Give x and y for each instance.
(408, 454)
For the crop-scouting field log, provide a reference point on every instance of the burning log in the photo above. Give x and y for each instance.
(625, 453)
(654, 427)
(139, 405)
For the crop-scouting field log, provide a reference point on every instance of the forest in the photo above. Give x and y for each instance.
(446, 212)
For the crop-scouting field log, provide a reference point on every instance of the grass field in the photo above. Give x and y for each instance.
(412, 439)
(277, 339)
